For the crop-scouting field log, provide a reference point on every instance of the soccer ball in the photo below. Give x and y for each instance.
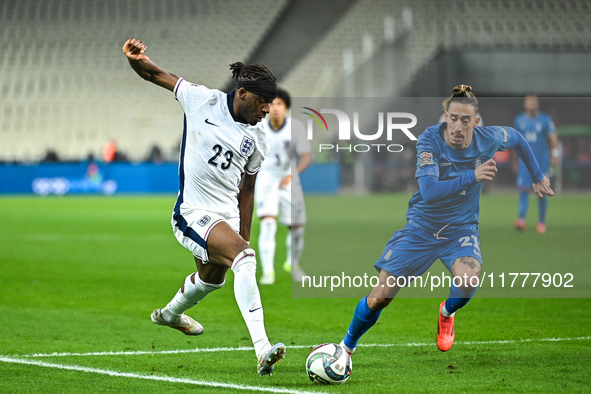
(329, 364)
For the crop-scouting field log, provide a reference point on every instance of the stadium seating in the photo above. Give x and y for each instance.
(552, 25)
(66, 84)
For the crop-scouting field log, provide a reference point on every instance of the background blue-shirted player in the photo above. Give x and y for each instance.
(540, 133)
(453, 158)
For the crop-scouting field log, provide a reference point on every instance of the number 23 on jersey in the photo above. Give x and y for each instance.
(228, 155)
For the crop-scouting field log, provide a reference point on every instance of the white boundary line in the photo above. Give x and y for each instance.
(25, 359)
(246, 348)
(168, 379)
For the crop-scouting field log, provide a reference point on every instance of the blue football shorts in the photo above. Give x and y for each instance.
(412, 251)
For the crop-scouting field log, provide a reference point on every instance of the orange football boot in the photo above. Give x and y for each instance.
(445, 331)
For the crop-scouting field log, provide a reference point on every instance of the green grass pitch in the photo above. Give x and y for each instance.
(80, 276)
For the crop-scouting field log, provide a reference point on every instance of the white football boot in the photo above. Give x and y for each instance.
(267, 279)
(269, 356)
(185, 324)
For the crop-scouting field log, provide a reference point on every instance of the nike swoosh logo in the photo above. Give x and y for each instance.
(255, 309)
(208, 122)
(444, 164)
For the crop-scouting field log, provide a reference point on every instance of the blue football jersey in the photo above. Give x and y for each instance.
(436, 158)
(536, 131)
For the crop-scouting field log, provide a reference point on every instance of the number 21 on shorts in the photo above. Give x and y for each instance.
(465, 241)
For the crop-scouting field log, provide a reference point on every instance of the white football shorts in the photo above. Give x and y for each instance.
(192, 229)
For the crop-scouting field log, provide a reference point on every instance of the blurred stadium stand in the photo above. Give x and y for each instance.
(402, 48)
(391, 41)
(295, 33)
(66, 85)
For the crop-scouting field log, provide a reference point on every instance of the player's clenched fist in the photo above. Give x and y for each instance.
(134, 49)
(486, 171)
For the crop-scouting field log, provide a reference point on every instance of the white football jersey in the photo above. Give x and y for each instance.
(215, 151)
(285, 146)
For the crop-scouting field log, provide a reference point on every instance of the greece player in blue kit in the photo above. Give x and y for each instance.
(222, 149)
(539, 131)
(453, 159)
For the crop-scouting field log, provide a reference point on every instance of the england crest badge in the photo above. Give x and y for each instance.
(204, 220)
(247, 146)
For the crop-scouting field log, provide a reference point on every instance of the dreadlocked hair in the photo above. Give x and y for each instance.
(251, 72)
(461, 94)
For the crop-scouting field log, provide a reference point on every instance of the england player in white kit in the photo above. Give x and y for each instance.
(278, 192)
(222, 149)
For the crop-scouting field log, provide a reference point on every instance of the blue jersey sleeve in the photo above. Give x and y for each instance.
(427, 156)
(515, 140)
(433, 190)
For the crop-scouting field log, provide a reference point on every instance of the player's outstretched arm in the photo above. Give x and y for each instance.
(543, 187)
(134, 50)
(515, 140)
(523, 150)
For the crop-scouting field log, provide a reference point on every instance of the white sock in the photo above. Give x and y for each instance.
(295, 244)
(267, 244)
(248, 297)
(191, 292)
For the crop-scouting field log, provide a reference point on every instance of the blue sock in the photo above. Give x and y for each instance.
(543, 207)
(457, 299)
(363, 320)
(522, 206)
